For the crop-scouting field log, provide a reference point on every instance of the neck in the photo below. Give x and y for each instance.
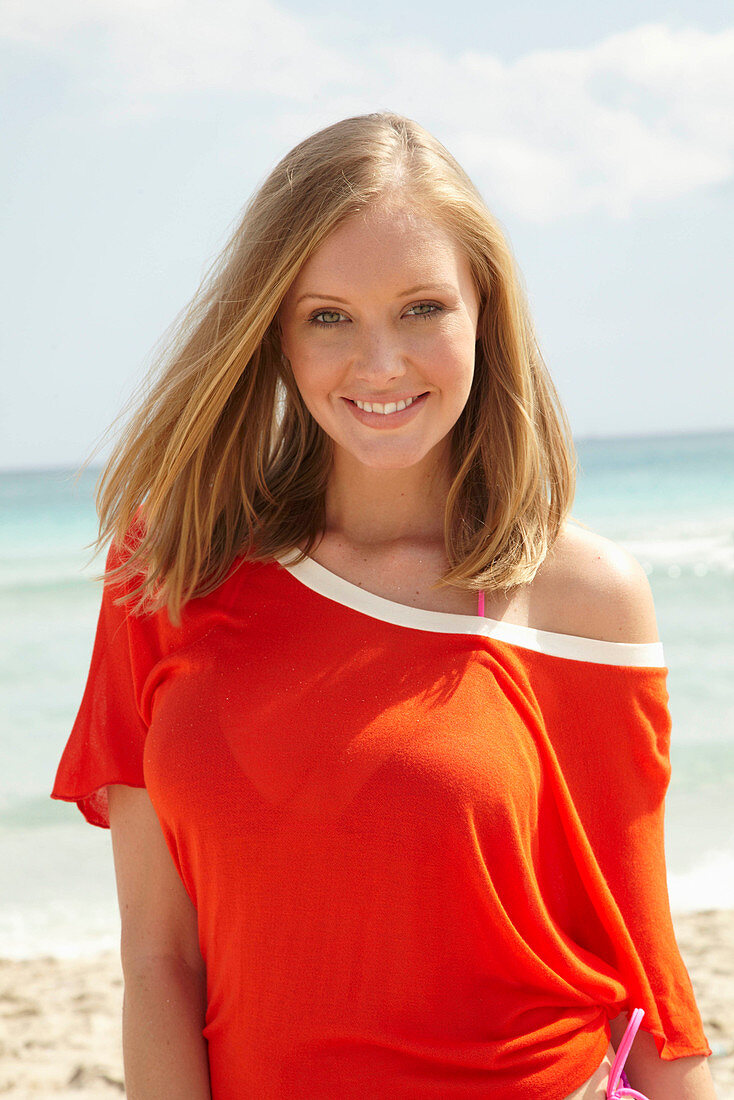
(372, 507)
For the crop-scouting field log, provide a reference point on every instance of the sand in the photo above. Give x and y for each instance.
(60, 1034)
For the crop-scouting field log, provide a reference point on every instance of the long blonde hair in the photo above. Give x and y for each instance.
(221, 457)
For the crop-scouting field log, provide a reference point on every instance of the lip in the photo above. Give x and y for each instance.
(386, 398)
(391, 420)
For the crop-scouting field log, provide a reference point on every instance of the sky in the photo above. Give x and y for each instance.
(600, 136)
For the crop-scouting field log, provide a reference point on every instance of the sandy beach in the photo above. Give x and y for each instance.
(61, 1017)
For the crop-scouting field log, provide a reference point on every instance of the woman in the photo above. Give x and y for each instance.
(381, 736)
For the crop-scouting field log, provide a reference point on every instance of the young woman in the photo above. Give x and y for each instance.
(381, 736)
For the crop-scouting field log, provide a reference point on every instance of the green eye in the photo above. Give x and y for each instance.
(332, 316)
(430, 309)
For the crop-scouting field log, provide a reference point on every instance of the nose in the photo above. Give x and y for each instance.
(379, 357)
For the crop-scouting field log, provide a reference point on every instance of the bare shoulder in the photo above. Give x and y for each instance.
(593, 588)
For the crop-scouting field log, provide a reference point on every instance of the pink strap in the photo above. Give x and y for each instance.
(480, 605)
(616, 1091)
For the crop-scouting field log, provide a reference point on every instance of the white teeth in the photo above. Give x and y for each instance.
(384, 410)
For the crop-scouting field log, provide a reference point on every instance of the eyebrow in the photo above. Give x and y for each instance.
(442, 288)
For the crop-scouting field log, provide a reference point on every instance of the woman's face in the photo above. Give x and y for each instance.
(384, 315)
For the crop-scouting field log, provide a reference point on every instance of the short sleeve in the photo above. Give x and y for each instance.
(108, 735)
(609, 730)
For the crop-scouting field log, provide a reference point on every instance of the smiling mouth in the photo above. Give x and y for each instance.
(388, 407)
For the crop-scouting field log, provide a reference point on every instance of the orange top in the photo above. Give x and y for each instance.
(426, 849)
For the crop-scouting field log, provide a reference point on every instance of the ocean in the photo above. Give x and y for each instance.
(669, 499)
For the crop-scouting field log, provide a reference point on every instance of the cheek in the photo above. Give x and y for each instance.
(453, 365)
(315, 377)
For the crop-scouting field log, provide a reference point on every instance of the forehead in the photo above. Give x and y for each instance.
(385, 244)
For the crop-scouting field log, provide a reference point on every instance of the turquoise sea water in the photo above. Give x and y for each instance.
(668, 499)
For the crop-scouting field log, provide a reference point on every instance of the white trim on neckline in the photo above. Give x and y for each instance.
(571, 646)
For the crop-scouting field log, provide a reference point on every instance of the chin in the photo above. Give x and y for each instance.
(383, 458)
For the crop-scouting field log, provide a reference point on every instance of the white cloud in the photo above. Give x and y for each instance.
(140, 53)
(644, 116)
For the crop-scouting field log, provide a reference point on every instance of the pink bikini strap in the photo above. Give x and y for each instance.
(616, 1090)
(480, 605)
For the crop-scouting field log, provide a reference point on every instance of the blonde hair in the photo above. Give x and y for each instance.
(221, 457)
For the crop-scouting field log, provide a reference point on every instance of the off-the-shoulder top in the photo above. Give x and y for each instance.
(425, 849)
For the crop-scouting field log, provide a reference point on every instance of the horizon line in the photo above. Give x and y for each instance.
(676, 433)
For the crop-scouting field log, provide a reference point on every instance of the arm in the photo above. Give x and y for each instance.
(165, 1053)
(680, 1079)
(600, 591)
